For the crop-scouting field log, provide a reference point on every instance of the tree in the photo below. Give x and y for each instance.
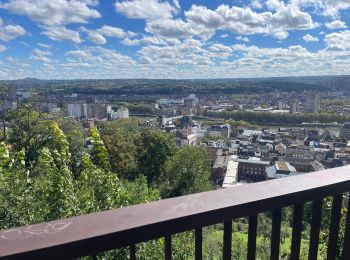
(156, 147)
(99, 155)
(4, 98)
(29, 132)
(188, 171)
(121, 139)
(76, 138)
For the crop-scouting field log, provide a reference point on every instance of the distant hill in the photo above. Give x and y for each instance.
(200, 86)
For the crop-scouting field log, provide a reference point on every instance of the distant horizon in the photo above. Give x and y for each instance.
(179, 39)
(175, 79)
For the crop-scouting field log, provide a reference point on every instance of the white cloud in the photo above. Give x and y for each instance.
(310, 38)
(280, 35)
(243, 39)
(9, 32)
(43, 45)
(256, 4)
(62, 34)
(224, 35)
(149, 40)
(324, 7)
(247, 22)
(111, 31)
(53, 13)
(99, 36)
(336, 24)
(96, 37)
(2, 48)
(338, 41)
(146, 9)
(41, 55)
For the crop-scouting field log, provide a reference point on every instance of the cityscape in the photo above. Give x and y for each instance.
(173, 129)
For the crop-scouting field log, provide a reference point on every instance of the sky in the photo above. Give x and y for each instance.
(173, 39)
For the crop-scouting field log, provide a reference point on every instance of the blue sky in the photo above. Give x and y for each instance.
(70, 39)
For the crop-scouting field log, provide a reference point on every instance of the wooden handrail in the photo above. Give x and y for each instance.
(97, 232)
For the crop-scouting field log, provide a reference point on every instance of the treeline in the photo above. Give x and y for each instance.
(283, 118)
(53, 168)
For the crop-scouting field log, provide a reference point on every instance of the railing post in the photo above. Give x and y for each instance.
(315, 228)
(296, 232)
(276, 234)
(168, 247)
(252, 232)
(346, 243)
(198, 243)
(334, 227)
(132, 249)
(227, 240)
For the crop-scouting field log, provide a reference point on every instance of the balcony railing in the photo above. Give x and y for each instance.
(90, 234)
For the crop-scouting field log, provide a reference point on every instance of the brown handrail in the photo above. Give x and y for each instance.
(93, 233)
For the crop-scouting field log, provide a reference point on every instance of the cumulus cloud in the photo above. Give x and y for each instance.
(41, 55)
(323, 7)
(146, 9)
(99, 36)
(310, 38)
(53, 13)
(336, 24)
(338, 41)
(149, 40)
(10, 31)
(53, 16)
(202, 21)
(241, 38)
(62, 34)
(2, 48)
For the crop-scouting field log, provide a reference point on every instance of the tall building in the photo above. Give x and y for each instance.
(313, 102)
(293, 106)
(75, 110)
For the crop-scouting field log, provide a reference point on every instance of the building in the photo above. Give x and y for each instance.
(279, 170)
(220, 131)
(231, 175)
(187, 136)
(313, 102)
(345, 131)
(252, 170)
(121, 113)
(293, 106)
(191, 101)
(77, 110)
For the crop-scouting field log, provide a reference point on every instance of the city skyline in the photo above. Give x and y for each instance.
(173, 39)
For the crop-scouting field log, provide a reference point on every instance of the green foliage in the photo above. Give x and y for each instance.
(76, 138)
(141, 108)
(121, 138)
(155, 148)
(263, 117)
(99, 153)
(188, 171)
(30, 133)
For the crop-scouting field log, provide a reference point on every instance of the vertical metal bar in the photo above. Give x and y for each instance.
(315, 229)
(252, 230)
(168, 247)
(132, 249)
(346, 244)
(276, 234)
(198, 243)
(227, 240)
(334, 227)
(296, 232)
